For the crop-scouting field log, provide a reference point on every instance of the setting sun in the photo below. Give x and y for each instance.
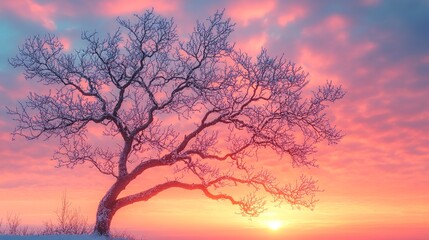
(275, 224)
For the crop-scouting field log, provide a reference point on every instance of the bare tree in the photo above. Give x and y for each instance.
(141, 82)
(13, 223)
(69, 220)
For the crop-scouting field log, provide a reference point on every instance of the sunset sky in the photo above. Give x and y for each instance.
(375, 181)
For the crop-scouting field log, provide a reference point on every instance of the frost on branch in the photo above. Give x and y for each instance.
(142, 98)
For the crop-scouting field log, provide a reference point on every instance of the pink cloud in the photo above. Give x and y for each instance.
(425, 59)
(315, 59)
(253, 44)
(66, 42)
(19, 90)
(31, 10)
(334, 25)
(244, 11)
(362, 49)
(369, 3)
(318, 64)
(336, 22)
(120, 7)
(291, 14)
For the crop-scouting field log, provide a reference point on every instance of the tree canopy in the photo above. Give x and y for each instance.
(196, 104)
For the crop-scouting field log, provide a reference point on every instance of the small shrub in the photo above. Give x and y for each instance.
(13, 224)
(69, 221)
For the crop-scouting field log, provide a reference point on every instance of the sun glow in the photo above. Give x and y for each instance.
(274, 224)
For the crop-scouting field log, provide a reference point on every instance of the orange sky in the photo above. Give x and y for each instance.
(375, 182)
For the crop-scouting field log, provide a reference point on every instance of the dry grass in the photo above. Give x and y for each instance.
(69, 221)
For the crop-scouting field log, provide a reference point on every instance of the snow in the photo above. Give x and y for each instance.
(55, 237)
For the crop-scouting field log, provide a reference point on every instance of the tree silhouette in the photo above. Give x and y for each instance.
(196, 104)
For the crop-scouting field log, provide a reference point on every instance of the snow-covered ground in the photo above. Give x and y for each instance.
(55, 237)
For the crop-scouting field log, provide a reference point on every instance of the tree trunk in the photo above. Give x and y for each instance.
(104, 217)
(107, 208)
